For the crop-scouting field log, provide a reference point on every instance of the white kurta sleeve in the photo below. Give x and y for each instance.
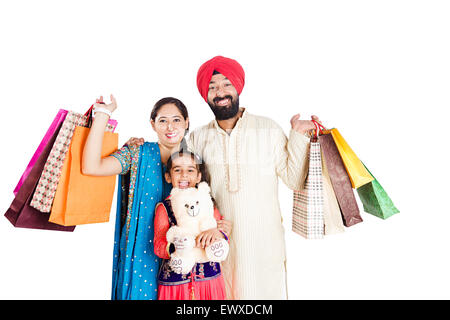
(291, 158)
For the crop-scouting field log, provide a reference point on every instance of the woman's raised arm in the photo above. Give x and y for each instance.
(92, 163)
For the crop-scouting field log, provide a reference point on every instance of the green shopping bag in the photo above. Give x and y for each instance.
(375, 199)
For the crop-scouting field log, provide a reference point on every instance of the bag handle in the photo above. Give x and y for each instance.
(319, 124)
(315, 133)
(88, 114)
(318, 129)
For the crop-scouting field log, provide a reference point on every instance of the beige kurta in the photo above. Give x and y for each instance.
(244, 168)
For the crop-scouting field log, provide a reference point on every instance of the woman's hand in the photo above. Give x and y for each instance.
(303, 126)
(225, 226)
(208, 237)
(93, 164)
(135, 142)
(99, 103)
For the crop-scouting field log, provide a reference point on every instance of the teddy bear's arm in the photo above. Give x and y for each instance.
(173, 233)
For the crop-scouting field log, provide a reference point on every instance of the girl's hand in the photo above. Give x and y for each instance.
(135, 142)
(208, 237)
(225, 226)
(100, 103)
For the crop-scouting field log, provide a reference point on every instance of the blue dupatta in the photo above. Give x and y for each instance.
(135, 265)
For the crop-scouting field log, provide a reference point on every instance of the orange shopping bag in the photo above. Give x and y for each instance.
(82, 199)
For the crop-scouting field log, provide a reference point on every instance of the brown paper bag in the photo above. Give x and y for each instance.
(331, 211)
(340, 181)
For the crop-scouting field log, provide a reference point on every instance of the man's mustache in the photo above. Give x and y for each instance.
(217, 99)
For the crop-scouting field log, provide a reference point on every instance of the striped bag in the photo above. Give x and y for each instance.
(308, 215)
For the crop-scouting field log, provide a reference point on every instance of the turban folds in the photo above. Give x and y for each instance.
(228, 67)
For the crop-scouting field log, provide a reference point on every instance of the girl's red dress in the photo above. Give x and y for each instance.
(195, 285)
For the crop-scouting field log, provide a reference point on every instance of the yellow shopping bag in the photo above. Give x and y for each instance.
(357, 173)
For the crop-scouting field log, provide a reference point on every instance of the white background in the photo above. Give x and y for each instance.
(379, 71)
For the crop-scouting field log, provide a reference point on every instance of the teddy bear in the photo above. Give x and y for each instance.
(193, 209)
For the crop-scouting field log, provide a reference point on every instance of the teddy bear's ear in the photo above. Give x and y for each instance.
(203, 187)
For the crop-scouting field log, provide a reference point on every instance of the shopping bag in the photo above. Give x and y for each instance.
(48, 182)
(331, 211)
(308, 216)
(82, 199)
(375, 200)
(340, 180)
(357, 173)
(59, 118)
(20, 213)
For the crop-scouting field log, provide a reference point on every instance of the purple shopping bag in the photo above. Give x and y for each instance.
(20, 213)
(59, 118)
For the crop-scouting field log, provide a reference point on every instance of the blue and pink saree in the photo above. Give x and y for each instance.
(141, 186)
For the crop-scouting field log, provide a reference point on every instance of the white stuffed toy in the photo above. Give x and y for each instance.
(194, 212)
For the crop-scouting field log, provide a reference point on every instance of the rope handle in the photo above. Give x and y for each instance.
(319, 128)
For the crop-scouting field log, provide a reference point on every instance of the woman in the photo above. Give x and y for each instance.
(141, 187)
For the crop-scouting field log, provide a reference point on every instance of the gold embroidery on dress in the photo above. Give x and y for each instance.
(166, 270)
(201, 270)
(214, 265)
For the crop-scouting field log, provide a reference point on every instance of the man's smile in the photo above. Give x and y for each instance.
(222, 102)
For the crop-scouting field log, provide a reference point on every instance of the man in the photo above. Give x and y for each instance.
(245, 154)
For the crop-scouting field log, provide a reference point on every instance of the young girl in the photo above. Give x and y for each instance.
(185, 170)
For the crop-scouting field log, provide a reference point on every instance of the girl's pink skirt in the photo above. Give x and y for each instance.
(199, 290)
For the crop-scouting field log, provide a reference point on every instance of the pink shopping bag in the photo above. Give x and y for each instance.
(59, 118)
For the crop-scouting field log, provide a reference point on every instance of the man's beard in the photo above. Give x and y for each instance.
(225, 112)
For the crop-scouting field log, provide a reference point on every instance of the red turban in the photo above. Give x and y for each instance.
(228, 67)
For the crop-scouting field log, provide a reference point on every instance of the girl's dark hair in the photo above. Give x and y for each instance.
(196, 158)
(180, 105)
